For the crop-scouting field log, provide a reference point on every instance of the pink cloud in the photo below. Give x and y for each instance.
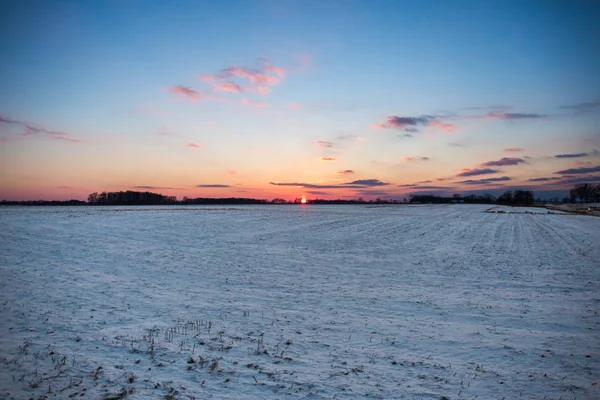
(410, 159)
(294, 105)
(322, 143)
(327, 159)
(247, 102)
(514, 149)
(448, 128)
(186, 92)
(194, 146)
(238, 79)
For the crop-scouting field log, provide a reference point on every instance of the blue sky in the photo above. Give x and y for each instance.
(144, 94)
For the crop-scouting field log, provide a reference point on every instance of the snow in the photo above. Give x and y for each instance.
(305, 302)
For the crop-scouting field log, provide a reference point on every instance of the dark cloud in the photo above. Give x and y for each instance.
(212, 185)
(359, 184)
(423, 182)
(395, 122)
(515, 116)
(156, 187)
(474, 172)
(582, 107)
(488, 108)
(322, 143)
(368, 182)
(576, 155)
(346, 171)
(488, 181)
(579, 180)
(413, 124)
(434, 187)
(503, 162)
(409, 185)
(578, 171)
(542, 179)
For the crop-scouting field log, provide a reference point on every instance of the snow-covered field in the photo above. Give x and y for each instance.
(314, 302)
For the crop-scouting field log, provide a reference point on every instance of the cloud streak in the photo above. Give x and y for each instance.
(515, 116)
(503, 162)
(212, 185)
(358, 184)
(487, 181)
(474, 172)
(576, 155)
(414, 124)
(578, 171)
(31, 130)
(186, 93)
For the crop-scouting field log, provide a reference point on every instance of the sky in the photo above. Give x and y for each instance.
(322, 99)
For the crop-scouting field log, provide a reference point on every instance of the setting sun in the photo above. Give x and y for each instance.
(303, 201)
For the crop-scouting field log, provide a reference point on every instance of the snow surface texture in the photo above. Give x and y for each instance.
(313, 302)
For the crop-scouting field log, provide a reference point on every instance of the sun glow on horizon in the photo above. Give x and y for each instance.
(303, 200)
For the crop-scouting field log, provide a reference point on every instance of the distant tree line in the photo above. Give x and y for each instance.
(585, 193)
(516, 198)
(222, 201)
(457, 198)
(130, 197)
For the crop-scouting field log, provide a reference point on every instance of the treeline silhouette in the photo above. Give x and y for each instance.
(583, 193)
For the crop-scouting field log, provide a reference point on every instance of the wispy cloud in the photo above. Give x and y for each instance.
(515, 116)
(514, 149)
(368, 182)
(358, 184)
(186, 93)
(411, 159)
(579, 179)
(32, 130)
(345, 172)
(433, 187)
(578, 171)
(294, 105)
(583, 107)
(474, 172)
(322, 143)
(413, 124)
(576, 155)
(487, 181)
(236, 79)
(155, 187)
(328, 159)
(212, 185)
(542, 179)
(503, 162)
(194, 146)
